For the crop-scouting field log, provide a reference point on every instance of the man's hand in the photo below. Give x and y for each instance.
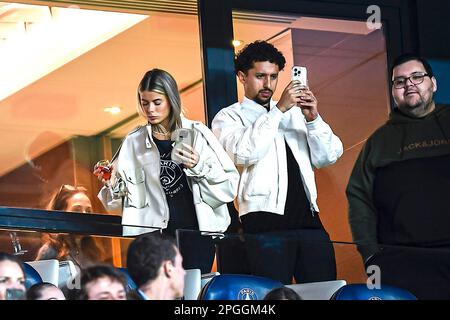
(290, 96)
(297, 95)
(308, 104)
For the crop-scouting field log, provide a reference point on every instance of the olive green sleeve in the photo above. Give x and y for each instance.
(362, 212)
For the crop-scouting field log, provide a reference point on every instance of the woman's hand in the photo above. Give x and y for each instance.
(290, 96)
(103, 171)
(188, 156)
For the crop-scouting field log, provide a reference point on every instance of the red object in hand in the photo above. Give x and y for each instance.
(103, 167)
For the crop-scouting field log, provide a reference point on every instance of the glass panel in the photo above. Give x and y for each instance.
(347, 71)
(240, 254)
(392, 265)
(291, 253)
(70, 80)
(83, 250)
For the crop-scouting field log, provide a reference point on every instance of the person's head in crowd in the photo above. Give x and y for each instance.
(155, 264)
(413, 85)
(103, 282)
(159, 101)
(66, 246)
(45, 291)
(253, 62)
(282, 293)
(70, 198)
(12, 277)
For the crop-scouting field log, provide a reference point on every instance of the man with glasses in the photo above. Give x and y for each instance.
(398, 193)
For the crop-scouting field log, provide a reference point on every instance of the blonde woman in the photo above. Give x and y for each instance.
(158, 187)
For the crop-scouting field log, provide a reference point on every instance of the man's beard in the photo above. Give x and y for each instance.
(419, 109)
(263, 102)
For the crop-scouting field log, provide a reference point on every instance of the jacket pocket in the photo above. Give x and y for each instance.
(136, 193)
(257, 182)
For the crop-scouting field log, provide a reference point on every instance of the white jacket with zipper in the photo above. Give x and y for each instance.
(213, 181)
(255, 139)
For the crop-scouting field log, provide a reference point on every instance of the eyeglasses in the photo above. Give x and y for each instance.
(416, 78)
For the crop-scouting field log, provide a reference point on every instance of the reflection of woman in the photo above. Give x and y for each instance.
(155, 191)
(83, 251)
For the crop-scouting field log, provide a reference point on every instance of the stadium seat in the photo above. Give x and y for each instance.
(362, 292)
(130, 282)
(192, 284)
(323, 290)
(207, 278)
(31, 276)
(238, 287)
(67, 273)
(194, 281)
(47, 269)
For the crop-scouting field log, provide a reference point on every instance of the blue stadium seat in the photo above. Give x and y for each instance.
(238, 287)
(31, 276)
(362, 292)
(131, 284)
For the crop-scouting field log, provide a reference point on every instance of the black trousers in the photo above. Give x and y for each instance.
(306, 254)
(198, 250)
(423, 272)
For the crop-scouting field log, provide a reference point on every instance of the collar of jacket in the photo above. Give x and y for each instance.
(185, 123)
(248, 103)
(149, 137)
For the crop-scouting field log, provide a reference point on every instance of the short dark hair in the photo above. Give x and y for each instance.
(282, 293)
(94, 273)
(35, 291)
(146, 255)
(411, 57)
(9, 257)
(258, 51)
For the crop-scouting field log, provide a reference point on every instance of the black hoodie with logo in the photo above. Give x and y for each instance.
(399, 190)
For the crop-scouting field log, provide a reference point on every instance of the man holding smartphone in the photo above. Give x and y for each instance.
(276, 145)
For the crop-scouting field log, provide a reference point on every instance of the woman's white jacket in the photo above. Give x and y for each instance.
(136, 169)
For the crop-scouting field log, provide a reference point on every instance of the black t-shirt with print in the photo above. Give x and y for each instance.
(178, 195)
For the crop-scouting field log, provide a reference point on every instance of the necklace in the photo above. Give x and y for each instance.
(161, 134)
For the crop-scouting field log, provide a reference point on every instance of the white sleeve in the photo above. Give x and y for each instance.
(325, 147)
(246, 145)
(217, 179)
(110, 203)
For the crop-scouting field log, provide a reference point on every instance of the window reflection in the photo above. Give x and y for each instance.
(57, 121)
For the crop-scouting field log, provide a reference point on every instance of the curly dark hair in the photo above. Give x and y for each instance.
(258, 51)
(147, 254)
